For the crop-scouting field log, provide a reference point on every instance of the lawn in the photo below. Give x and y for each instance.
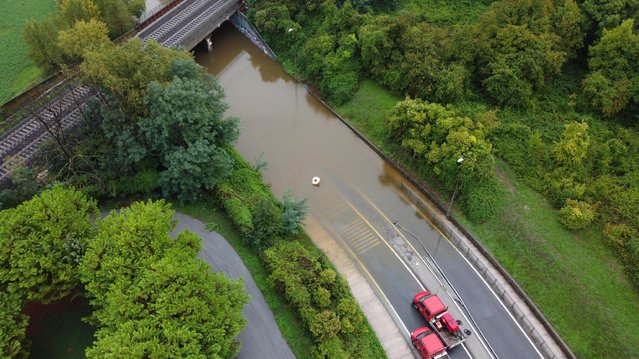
(573, 277)
(17, 71)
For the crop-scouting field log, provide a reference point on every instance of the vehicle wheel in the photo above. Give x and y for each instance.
(415, 306)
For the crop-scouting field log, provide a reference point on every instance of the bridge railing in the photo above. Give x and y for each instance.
(153, 11)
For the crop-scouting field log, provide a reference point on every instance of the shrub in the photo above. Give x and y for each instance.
(625, 241)
(484, 200)
(576, 214)
(294, 211)
(319, 294)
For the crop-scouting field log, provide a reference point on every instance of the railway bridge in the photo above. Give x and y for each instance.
(183, 24)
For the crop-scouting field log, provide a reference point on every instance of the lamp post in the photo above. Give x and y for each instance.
(460, 160)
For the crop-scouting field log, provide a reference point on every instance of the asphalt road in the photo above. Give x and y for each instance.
(262, 337)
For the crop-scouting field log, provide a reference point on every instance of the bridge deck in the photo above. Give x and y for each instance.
(183, 27)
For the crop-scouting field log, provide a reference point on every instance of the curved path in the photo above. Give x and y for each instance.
(262, 337)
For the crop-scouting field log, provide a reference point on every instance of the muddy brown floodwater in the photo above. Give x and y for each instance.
(359, 194)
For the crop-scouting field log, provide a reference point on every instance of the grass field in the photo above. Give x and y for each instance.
(573, 277)
(17, 71)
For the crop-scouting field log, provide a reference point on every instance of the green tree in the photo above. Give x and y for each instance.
(186, 129)
(41, 39)
(606, 14)
(40, 242)
(72, 11)
(613, 82)
(13, 325)
(518, 46)
(126, 71)
(571, 150)
(438, 135)
(295, 209)
(82, 37)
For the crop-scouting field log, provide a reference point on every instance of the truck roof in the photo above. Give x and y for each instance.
(432, 343)
(434, 305)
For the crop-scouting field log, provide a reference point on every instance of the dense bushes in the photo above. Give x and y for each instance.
(259, 217)
(13, 324)
(454, 147)
(321, 297)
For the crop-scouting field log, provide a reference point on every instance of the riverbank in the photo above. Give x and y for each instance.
(566, 274)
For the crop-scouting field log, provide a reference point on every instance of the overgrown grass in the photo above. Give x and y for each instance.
(445, 12)
(573, 277)
(298, 338)
(17, 71)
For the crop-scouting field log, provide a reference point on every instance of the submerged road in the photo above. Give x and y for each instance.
(359, 195)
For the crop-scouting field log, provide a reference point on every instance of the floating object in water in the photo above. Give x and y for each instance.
(315, 181)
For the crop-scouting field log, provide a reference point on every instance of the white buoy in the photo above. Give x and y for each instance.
(315, 181)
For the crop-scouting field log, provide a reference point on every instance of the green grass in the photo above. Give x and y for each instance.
(17, 71)
(445, 12)
(298, 338)
(573, 277)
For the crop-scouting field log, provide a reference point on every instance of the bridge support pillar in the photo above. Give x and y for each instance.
(209, 43)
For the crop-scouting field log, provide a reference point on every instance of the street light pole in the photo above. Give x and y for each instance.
(460, 160)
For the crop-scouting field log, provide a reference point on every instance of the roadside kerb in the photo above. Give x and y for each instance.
(499, 279)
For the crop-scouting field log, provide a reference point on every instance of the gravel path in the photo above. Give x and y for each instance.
(262, 337)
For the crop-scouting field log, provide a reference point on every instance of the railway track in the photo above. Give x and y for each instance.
(64, 109)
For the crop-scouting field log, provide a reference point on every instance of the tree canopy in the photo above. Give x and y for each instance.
(41, 241)
(152, 297)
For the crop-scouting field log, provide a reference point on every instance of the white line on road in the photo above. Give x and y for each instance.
(474, 270)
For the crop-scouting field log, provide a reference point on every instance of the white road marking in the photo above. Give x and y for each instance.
(474, 270)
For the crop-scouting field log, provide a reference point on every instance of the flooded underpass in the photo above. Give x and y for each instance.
(359, 196)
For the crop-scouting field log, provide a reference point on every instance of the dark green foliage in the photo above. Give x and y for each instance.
(483, 200)
(320, 296)
(13, 324)
(253, 209)
(604, 14)
(152, 297)
(295, 209)
(518, 46)
(186, 130)
(612, 86)
(142, 183)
